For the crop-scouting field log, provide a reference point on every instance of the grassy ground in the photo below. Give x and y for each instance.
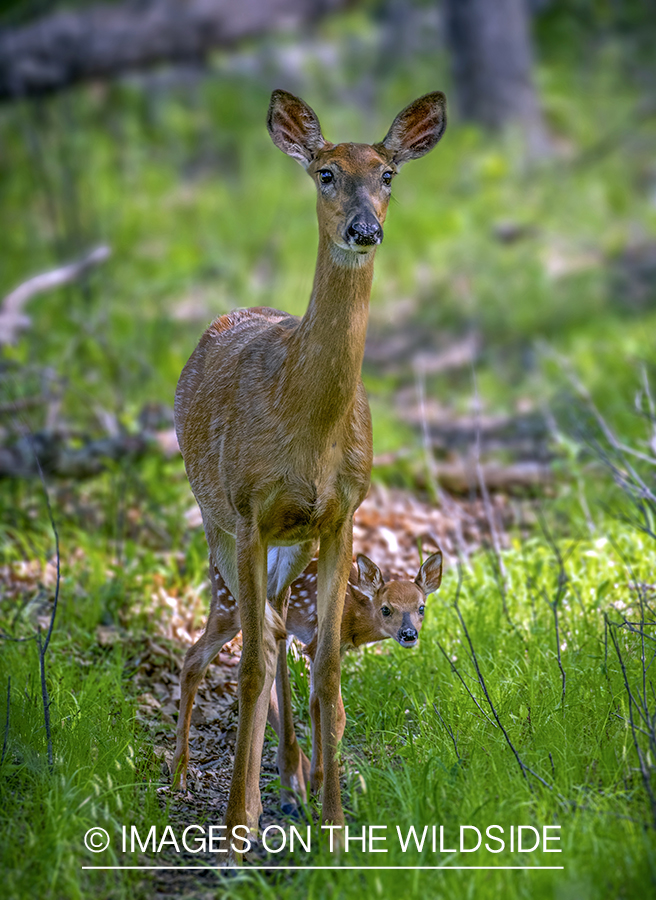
(203, 214)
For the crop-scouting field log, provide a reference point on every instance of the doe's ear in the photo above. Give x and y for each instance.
(429, 576)
(294, 127)
(369, 575)
(417, 128)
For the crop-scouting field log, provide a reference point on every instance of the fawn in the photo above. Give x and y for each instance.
(275, 431)
(373, 611)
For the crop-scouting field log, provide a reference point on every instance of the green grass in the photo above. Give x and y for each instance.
(401, 764)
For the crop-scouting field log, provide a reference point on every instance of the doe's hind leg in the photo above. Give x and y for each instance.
(222, 625)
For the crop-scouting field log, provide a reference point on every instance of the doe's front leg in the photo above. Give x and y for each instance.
(251, 569)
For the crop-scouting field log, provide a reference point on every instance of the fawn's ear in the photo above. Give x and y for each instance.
(429, 576)
(417, 128)
(294, 127)
(370, 578)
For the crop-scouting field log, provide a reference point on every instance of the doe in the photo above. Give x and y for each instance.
(275, 431)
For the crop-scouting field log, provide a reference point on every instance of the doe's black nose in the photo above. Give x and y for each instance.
(364, 232)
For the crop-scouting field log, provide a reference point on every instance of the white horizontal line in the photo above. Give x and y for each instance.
(314, 868)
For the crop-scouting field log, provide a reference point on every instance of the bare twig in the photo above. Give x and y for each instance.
(437, 494)
(4, 743)
(43, 646)
(622, 450)
(489, 514)
(561, 589)
(522, 765)
(500, 573)
(448, 730)
(644, 764)
(429, 459)
(455, 671)
(12, 318)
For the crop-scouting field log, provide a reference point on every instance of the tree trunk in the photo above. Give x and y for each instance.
(492, 58)
(102, 41)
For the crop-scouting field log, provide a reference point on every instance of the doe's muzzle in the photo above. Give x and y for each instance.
(364, 231)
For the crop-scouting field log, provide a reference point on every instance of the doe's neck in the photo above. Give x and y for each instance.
(329, 347)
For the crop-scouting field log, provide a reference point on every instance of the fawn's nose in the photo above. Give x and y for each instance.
(408, 636)
(365, 231)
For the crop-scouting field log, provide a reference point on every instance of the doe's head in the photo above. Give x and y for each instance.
(354, 180)
(397, 608)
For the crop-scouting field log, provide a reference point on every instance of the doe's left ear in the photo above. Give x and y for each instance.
(429, 576)
(417, 128)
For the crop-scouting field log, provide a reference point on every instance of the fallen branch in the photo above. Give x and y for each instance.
(644, 759)
(12, 318)
(522, 765)
(68, 459)
(4, 743)
(463, 475)
(43, 647)
(448, 730)
(107, 39)
(526, 436)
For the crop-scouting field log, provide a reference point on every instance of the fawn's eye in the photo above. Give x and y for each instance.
(387, 178)
(422, 610)
(326, 176)
(386, 611)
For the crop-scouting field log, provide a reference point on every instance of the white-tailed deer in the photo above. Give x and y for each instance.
(373, 611)
(275, 431)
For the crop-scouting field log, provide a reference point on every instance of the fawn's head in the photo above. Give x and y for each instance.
(354, 180)
(397, 607)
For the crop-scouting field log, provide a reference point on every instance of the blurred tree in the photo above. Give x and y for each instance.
(99, 41)
(492, 61)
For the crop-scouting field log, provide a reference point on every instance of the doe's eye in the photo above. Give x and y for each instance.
(422, 610)
(386, 611)
(387, 178)
(326, 176)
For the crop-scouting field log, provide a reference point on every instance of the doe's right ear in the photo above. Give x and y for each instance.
(294, 127)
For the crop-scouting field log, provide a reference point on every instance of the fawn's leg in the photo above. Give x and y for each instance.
(333, 571)
(285, 564)
(293, 764)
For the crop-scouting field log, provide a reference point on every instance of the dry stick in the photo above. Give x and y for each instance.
(557, 436)
(652, 408)
(618, 446)
(448, 729)
(563, 581)
(522, 765)
(43, 647)
(628, 722)
(12, 318)
(644, 713)
(644, 770)
(553, 605)
(431, 470)
(500, 573)
(464, 683)
(4, 743)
